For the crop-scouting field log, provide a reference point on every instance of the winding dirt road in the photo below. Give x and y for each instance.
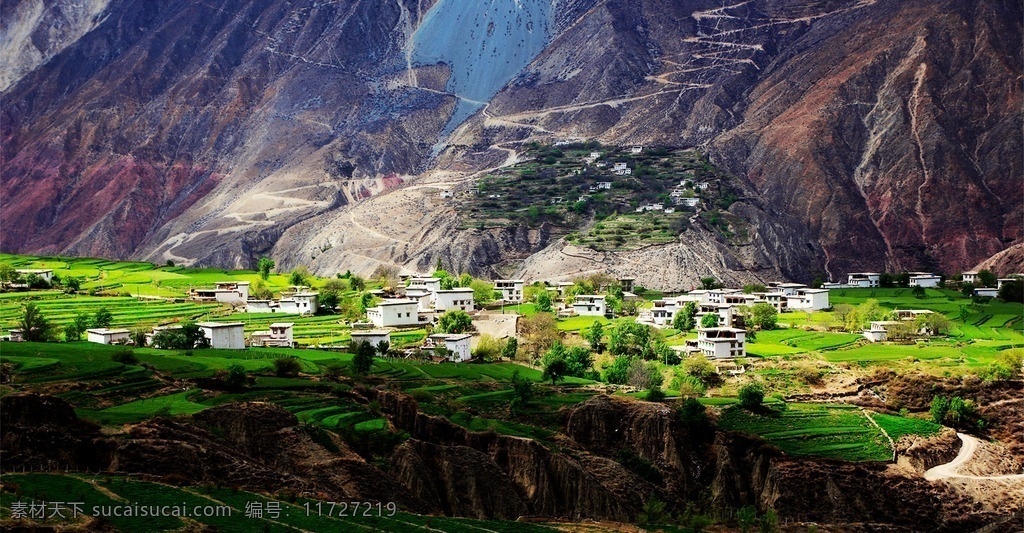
(951, 469)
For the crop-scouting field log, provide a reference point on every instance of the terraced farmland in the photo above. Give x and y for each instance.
(833, 431)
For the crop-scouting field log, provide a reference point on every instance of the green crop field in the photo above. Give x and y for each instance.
(833, 431)
(227, 508)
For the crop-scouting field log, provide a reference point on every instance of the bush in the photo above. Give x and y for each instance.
(236, 377)
(454, 321)
(125, 357)
(809, 374)
(287, 367)
(333, 372)
(362, 362)
(655, 395)
(751, 396)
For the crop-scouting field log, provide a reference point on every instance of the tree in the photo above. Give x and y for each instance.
(709, 283)
(362, 361)
(537, 333)
(933, 323)
(194, 336)
(383, 347)
(102, 318)
(487, 348)
(1012, 291)
(594, 334)
(264, 266)
(629, 338)
(694, 417)
(709, 320)
(300, 276)
(259, 291)
(72, 284)
(287, 367)
(483, 292)
(330, 293)
(578, 361)
(751, 288)
(747, 517)
(684, 318)
(918, 292)
(643, 374)
(522, 389)
(454, 321)
(333, 372)
(510, 349)
(986, 278)
(139, 336)
(751, 396)
(939, 408)
(34, 326)
(544, 302)
(618, 371)
(554, 370)
(698, 366)
(764, 315)
(357, 283)
(72, 333)
(8, 274)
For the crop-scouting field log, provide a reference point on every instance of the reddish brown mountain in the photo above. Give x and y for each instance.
(869, 134)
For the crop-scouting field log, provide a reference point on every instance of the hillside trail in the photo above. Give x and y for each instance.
(951, 469)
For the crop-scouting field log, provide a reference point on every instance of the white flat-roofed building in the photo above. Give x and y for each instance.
(1013, 277)
(971, 276)
(372, 336)
(986, 292)
(300, 302)
(788, 289)
(224, 335)
(456, 344)
(864, 280)
(423, 298)
(394, 312)
(108, 336)
(924, 279)
(724, 312)
(428, 283)
(15, 335)
(878, 330)
(589, 305)
(279, 335)
(511, 289)
(910, 314)
(722, 343)
(460, 298)
(45, 274)
(232, 291)
(777, 300)
(808, 299)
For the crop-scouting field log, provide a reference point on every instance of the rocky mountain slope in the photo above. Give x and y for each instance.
(322, 132)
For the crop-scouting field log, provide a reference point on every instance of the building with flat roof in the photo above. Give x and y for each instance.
(394, 312)
(224, 335)
(457, 345)
(372, 336)
(589, 305)
(722, 343)
(460, 298)
(511, 289)
(108, 336)
(279, 335)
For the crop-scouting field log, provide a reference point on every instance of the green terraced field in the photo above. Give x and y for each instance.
(833, 431)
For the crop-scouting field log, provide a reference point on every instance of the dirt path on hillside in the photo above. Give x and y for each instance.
(951, 470)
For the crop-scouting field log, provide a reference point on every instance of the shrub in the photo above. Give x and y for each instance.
(125, 357)
(333, 372)
(751, 396)
(655, 394)
(454, 321)
(236, 377)
(287, 367)
(809, 374)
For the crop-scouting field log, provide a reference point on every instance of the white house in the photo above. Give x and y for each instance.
(986, 292)
(511, 289)
(924, 279)
(394, 312)
(224, 335)
(108, 336)
(460, 298)
(619, 166)
(664, 311)
(878, 330)
(971, 277)
(15, 335)
(722, 343)
(589, 305)
(910, 314)
(636, 149)
(423, 298)
(426, 283)
(863, 279)
(447, 194)
(456, 344)
(604, 185)
(808, 299)
(594, 155)
(45, 274)
(1013, 277)
(280, 334)
(372, 336)
(689, 202)
(301, 302)
(701, 185)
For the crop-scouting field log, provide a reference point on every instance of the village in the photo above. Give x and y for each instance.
(722, 318)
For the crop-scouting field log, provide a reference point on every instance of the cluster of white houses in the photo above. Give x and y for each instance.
(728, 340)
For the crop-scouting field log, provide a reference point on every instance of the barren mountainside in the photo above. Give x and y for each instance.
(863, 134)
